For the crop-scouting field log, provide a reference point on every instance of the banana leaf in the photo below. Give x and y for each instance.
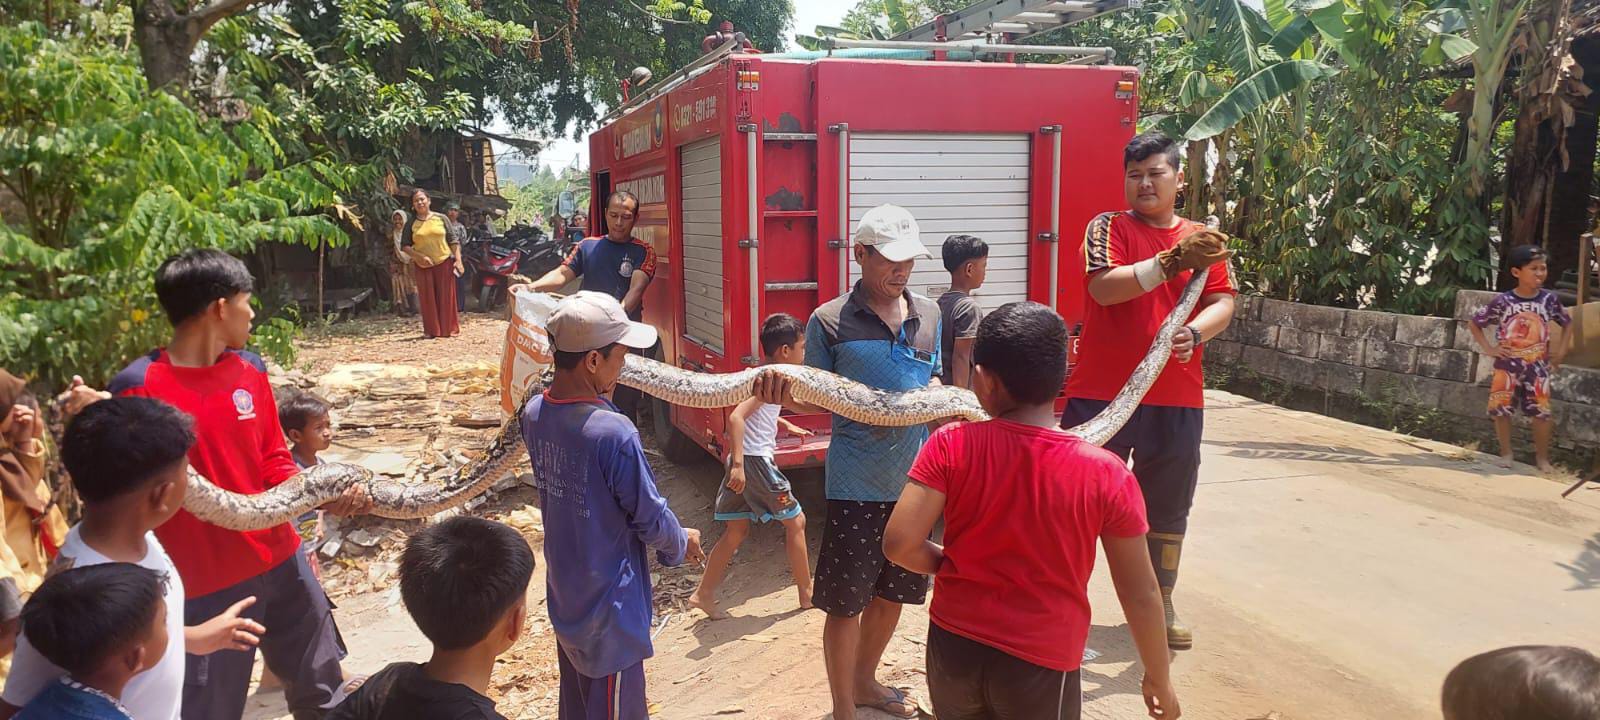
(1255, 92)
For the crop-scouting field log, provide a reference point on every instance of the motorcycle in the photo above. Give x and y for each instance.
(540, 252)
(491, 260)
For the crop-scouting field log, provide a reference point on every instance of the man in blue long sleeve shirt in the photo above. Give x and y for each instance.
(601, 513)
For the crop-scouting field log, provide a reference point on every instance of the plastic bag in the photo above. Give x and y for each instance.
(527, 349)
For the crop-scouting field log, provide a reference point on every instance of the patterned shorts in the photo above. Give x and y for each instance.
(1525, 389)
(851, 569)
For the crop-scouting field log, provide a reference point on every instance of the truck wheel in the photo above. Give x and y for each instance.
(676, 446)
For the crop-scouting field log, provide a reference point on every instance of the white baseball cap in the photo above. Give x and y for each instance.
(892, 230)
(588, 320)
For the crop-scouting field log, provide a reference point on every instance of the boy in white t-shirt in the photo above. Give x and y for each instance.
(128, 461)
(755, 490)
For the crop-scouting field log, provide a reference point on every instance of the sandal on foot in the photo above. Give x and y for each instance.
(908, 709)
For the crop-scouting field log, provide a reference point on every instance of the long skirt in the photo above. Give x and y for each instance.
(436, 292)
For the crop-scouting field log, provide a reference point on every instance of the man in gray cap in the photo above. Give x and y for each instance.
(601, 511)
(885, 336)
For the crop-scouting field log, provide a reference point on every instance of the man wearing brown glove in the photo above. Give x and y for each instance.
(1138, 261)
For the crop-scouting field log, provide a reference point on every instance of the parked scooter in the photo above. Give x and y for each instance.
(540, 252)
(491, 260)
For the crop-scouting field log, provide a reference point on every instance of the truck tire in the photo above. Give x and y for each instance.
(677, 447)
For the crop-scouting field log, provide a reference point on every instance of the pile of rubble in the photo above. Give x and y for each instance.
(415, 425)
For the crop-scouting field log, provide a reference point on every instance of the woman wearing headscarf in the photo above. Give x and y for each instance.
(15, 481)
(403, 287)
(438, 262)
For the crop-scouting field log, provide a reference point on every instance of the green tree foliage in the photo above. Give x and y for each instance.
(1335, 197)
(534, 202)
(104, 179)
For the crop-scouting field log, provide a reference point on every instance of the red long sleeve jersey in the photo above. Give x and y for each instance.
(239, 446)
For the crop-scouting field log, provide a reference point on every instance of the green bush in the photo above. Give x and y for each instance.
(101, 179)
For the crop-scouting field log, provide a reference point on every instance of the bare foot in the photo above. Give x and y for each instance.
(707, 606)
(1546, 468)
(1505, 461)
(805, 598)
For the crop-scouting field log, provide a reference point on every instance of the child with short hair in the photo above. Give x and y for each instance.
(240, 448)
(755, 490)
(1527, 349)
(1010, 613)
(127, 461)
(601, 512)
(465, 583)
(966, 257)
(104, 624)
(304, 418)
(1528, 682)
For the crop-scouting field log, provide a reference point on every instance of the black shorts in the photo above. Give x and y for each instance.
(968, 679)
(851, 569)
(1165, 445)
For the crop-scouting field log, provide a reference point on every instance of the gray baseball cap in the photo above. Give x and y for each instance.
(588, 320)
(893, 231)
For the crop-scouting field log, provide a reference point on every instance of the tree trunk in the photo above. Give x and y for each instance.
(167, 38)
(1546, 95)
(1569, 204)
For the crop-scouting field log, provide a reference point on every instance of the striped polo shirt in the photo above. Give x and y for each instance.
(844, 336)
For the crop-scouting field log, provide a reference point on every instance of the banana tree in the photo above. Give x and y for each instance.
(1549, 89)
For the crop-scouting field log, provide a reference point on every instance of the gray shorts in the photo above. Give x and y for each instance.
(766, 496)
(10, 600)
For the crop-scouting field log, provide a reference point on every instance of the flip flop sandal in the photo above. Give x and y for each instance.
(897, 697)
(352, 685)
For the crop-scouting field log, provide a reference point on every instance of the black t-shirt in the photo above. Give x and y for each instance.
(403, 691)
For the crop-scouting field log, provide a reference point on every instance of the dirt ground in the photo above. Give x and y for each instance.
(1332, 570)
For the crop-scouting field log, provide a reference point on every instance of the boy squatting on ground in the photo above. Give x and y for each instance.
(465, 583)
(1023, 503)
(1526, 350)
(755, 490)
(239, 447)
(601, 511)
(967, 259)
(127, 461)
(105, 624)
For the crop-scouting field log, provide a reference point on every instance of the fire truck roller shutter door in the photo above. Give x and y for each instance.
(952, 183)
(701, 163)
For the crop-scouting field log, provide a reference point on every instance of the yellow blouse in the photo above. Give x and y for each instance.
(428, 237)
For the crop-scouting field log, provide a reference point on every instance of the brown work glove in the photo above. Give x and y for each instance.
(1200, 249)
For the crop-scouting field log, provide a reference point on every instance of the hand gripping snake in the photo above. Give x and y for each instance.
(318, 485)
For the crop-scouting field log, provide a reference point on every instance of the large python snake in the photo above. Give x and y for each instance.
(318, 485)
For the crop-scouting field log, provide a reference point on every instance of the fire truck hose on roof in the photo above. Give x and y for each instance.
(318, 485)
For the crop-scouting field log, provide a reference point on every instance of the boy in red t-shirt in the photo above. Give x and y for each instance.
(239, 447)
(1023, 504)
(1138, 262)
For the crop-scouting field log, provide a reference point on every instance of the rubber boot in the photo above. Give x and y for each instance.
(1166, 549)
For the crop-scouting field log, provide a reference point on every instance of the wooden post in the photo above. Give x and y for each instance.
(321, 249)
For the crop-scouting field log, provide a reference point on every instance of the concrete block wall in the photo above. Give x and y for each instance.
(1422, 363)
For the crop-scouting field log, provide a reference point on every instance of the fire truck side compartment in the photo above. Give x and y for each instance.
(968, 147)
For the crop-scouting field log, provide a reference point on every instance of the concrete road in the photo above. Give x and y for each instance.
(1332, 572)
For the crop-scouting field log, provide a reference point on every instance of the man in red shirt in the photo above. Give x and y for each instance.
(1023, 504)
(1138, 262)
(239, 447)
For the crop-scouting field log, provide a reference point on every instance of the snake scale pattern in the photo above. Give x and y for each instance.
(318, 485)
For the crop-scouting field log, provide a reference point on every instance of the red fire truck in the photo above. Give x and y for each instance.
(751, 171)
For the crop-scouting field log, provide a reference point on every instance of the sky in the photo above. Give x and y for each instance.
(807, 15)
